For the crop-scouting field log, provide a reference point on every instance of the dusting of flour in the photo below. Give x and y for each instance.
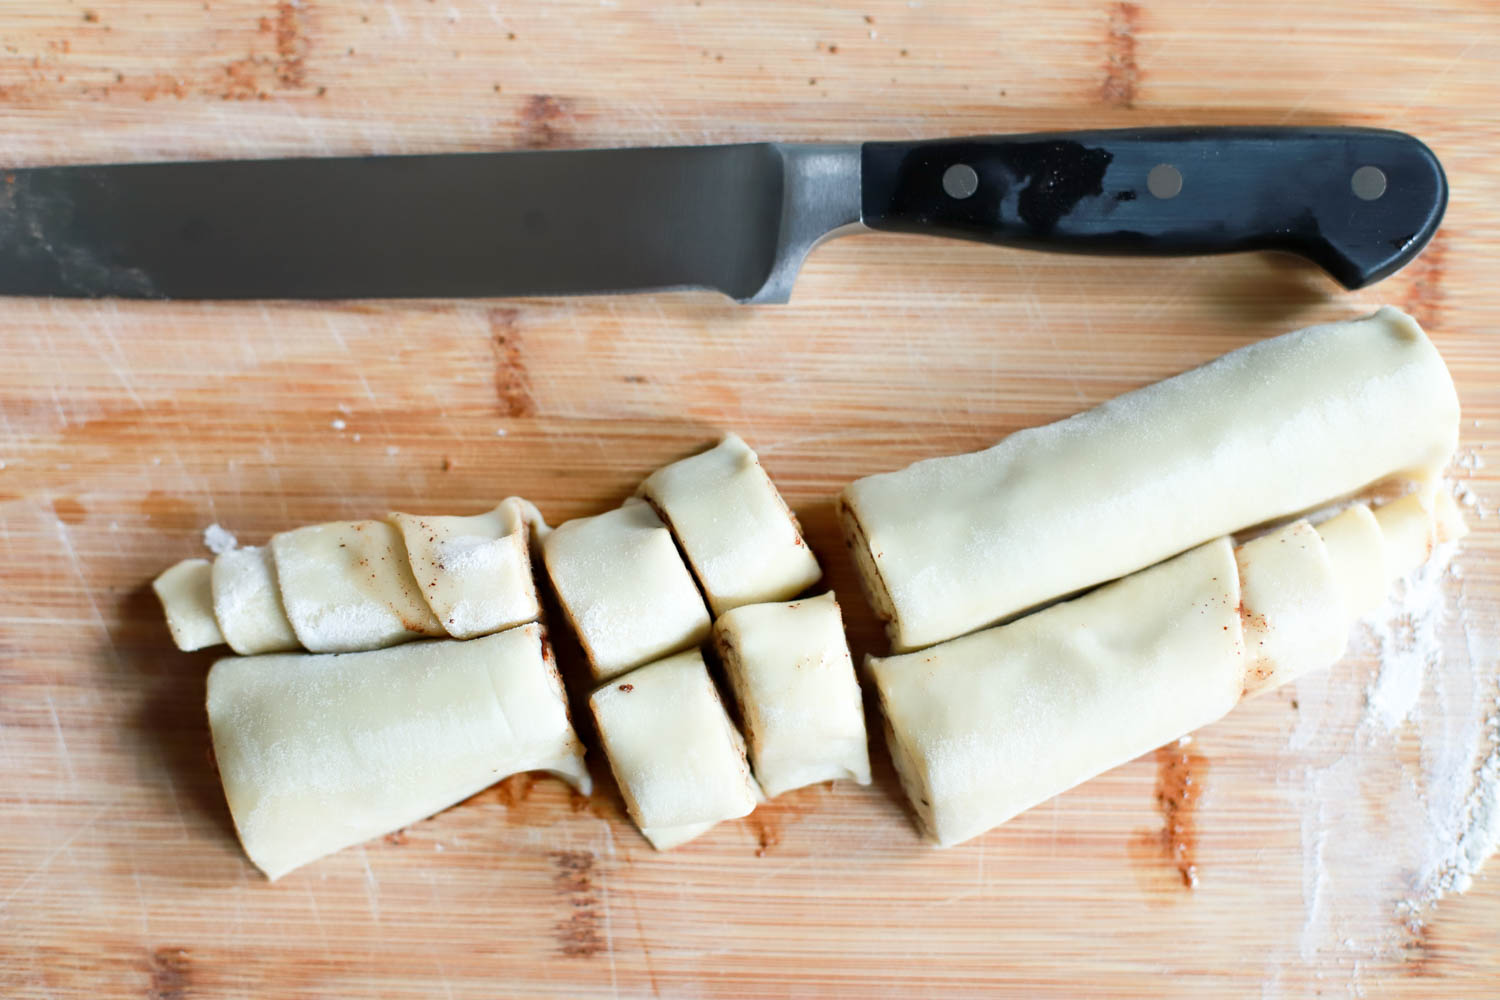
(218, 539)
(1400, 790)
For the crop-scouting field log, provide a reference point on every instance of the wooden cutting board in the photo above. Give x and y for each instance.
(126, 429)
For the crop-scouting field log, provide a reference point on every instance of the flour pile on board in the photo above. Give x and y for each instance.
(1400, 794)
(1460, 752)
(219, 539)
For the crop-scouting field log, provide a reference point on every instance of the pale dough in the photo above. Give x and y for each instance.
(319, 752)
(740, 537)
(1295, 615)
(474, 572)
(247, 602)
(625, 588)
(950, 545)
(1410, 534)
(1356, 553)
(186, 594)
(347, 586)
(792, 675)
(676, 756)
(983, 727)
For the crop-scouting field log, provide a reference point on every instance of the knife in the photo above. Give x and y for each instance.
(1358, 202)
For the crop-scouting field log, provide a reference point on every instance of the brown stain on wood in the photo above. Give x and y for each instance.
(510, 792)
(578, 933)
(291, 45)
(769, 820)
(767, 832)
(1122, 73)
(1179, 786)
(167, 512)
(275, 47)
(512, 387)
(69, 510)
(545, 120)
(515, 790)
(285, 67)
(171, 973)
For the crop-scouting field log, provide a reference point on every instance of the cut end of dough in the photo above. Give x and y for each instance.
(740, 537)
(1293, 611)
(347, 586)
(473, 572)
(247, 602)
(624, 588)
(871, 583)
(677, 758)
(793, 677)
(186, 595)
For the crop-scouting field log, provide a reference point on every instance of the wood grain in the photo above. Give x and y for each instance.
(126, 428)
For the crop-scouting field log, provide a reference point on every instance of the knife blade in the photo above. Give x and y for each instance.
(739, 219)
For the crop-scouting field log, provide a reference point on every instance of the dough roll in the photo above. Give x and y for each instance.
(985, 726)
(247, 602)
(624, 588)
(678, 759)
(741, 539)
(319, 752)
(350, 586)
(950, 545)
(793, 677)
(474, 572)
(186, 594)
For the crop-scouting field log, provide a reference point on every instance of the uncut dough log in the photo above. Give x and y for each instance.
(624, 588)
(743, 542)
(793, 678)
(247, 602)
(983, 727)
(474, 572)
(347, 586)
(953, 544)
(677, 758)
(186, 594)
(987, 725)
(319, 752)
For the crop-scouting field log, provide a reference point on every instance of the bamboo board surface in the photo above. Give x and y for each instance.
(125, 429)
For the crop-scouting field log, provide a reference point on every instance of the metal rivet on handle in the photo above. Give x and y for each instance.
(960, 181)
(1164, 181)
(1368, 183)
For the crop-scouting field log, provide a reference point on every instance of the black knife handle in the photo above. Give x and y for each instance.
(1358, 202)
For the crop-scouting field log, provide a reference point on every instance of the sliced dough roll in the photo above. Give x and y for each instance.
(679, 761)
(743, 542)
(247, 602)
(1304, 587)
(624, 587)
(186, 594)
(318, 752)
(348, 586)
(474, 572)
(950, 545)
(792, 675)
(987, 725)
(1294, 613)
